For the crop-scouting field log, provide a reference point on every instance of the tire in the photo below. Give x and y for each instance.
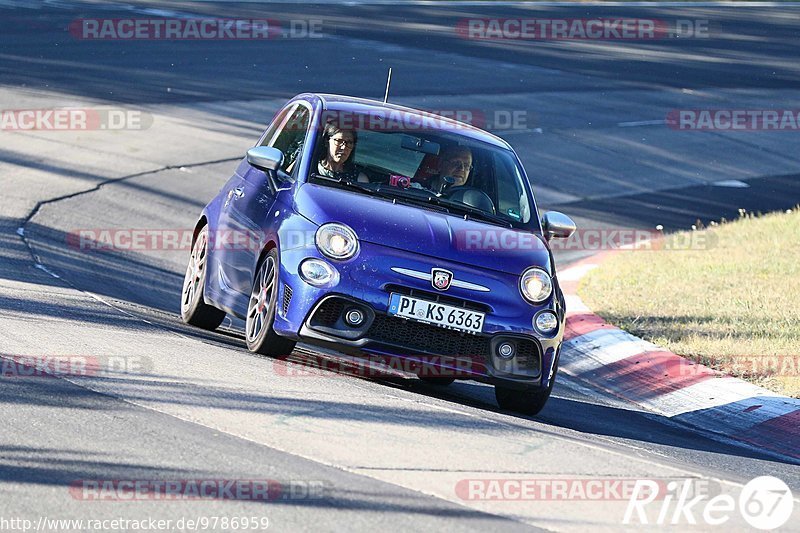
(194, 309)
(439, 382)
(260, 336)
(528, 402)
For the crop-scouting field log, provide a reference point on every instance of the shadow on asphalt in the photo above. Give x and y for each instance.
(141, 286)
(98, 458)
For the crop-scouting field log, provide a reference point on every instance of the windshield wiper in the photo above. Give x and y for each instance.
(431, 199)
(428, 199)
(387, 194)
(475, 212)
(350, 184)
(423, 196)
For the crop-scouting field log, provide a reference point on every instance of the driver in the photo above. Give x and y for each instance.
(337, 159)
(456, 161)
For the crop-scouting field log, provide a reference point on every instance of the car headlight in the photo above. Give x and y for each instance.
(337, 241)
(536, 285)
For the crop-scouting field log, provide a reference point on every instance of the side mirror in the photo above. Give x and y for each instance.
(265, 158)
(557, 225)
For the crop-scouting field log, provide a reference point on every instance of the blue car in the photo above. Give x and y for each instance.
(384, 231)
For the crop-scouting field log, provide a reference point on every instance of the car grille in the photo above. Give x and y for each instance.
(328, 313)
(528, 355)
(418, 338)
(426, 338)
(287, 298)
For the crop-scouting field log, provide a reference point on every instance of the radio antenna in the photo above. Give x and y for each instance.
(388, 81)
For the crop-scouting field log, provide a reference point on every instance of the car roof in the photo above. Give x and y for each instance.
(338, 102)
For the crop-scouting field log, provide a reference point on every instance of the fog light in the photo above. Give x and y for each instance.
(506, 350)
(354, 317)
(318, 273)
(545, 322)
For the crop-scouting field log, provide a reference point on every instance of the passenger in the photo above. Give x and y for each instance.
(337, 159)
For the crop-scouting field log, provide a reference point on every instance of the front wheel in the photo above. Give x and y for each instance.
(260, 336)
(194, 309)
(528, 402)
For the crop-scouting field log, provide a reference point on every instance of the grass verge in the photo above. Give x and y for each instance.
(730, 301)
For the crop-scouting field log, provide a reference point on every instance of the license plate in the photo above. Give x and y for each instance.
(442, 315)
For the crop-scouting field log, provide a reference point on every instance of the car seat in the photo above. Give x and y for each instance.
(428, 169)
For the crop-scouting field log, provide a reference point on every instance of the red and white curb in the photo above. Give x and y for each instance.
(669, 385)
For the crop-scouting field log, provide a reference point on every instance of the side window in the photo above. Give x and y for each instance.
(276, 123)
(291, 138)
(511, 198)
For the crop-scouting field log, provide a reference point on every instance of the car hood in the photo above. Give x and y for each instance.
(424, 231)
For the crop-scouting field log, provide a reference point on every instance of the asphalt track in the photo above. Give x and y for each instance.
(390, 453)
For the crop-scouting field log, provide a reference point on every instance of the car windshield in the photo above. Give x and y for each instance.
(435, 167)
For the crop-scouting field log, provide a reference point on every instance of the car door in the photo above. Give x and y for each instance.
(250, 199)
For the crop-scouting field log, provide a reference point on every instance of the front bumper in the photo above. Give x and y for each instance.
(315, 315)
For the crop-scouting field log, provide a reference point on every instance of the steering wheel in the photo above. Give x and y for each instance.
(472, 197)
